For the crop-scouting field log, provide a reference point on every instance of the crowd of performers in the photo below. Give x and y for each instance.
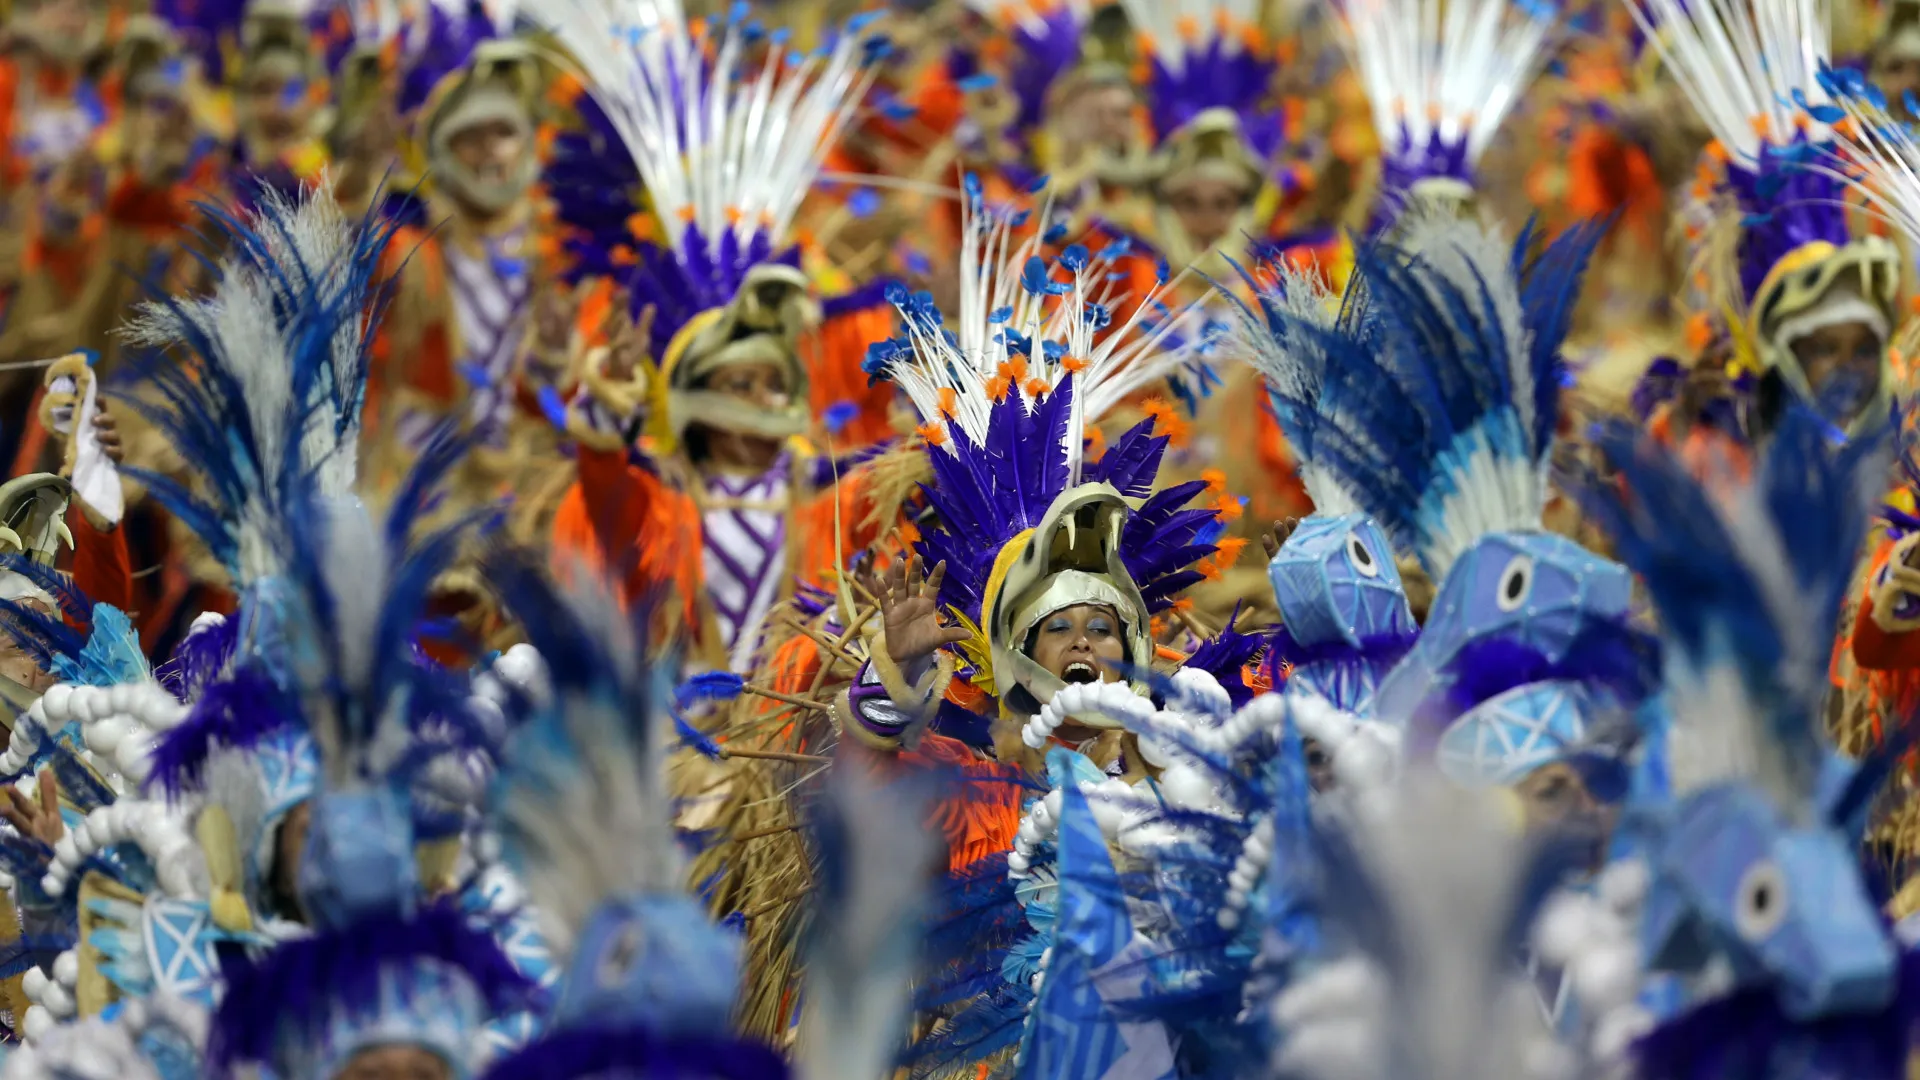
(608, 540)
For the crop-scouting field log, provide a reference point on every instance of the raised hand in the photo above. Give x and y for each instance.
(629, 341)
(39, 817)
(107, 433)
(910, 611)
(1273, 539)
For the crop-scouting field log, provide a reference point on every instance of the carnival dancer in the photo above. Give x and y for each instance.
(1814, 303)
(725, 504)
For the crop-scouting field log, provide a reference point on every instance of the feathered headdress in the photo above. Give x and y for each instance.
(727, 129)
(1754, 72)
(1445, 394)
(384, 967)
(1294, 364)
(1209, 58)
(388, 47)
(260, 385)
(1442, 75)
(1050, 40)
(1005, 397)
(1749, 585)
(1754, 859)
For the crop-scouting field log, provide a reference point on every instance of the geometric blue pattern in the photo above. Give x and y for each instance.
(180, 937)
(1501, 740)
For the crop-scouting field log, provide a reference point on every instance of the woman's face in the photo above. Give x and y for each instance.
(1081, 644)
(490, 150)
(761, 385)
(1843, 360)
(1207, 208)
(1557, 800)
(1098, 118)
(277, 109)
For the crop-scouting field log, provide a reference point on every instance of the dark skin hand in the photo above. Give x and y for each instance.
(108, 433)
(1273, 539)
(38, 817)
(910, 611)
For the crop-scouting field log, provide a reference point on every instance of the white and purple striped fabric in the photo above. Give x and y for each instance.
(744, 532)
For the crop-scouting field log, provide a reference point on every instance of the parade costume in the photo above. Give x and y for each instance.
(729, 301)
(466, 282)
(1782, 257)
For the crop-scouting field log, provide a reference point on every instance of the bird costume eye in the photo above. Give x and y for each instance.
(1516, 582)
(624, 953)
(1760, 901)
(1362, 559)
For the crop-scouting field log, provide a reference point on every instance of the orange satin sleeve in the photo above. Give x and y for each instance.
(617, 507)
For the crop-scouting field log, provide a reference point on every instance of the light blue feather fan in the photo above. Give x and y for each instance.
(1755, 860)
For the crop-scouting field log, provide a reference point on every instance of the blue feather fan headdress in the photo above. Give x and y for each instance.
(1007, 394)
(260, 385)
(1274, 340)
(1749, 586)
(726, 129)
(586, 815)
(384, 967)
(1440, 402)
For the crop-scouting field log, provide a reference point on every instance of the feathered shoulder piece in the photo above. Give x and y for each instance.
(1005, 394)
(259, 386)
(1440, 401)
(727, 127)
(1441, 76)
(1748, 584)
(1209, 57)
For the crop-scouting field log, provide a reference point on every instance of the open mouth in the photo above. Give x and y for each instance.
(493, 172)
(1080, 672)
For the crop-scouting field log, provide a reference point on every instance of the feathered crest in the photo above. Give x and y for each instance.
(584, 803)
(1445, 392)
(260, 385)
(727, 128)
(1294, 363)
(1208, 54)
(1025, 327)
(1748, 584)
(1748, 67)
(1442, 75)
